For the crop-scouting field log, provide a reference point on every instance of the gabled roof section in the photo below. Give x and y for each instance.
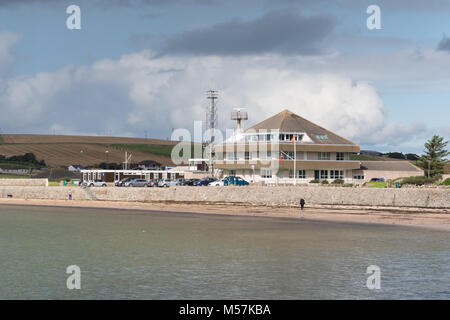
(287, 121)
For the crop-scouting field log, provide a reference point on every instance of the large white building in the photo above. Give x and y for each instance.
(287, 148)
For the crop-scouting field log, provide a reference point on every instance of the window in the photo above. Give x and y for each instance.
(302, 174)
(322, 136)
(266, 173)
(323, 174)
(336, 174)
(232, 172)
(281, 137)
(324, 156)
(339, 156)
(231, 155)
(247, 155)
(361, 177)
(265, 155)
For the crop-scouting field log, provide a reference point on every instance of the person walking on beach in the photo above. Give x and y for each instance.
(302, 203)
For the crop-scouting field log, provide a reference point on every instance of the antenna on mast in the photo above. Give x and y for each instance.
(239, 115)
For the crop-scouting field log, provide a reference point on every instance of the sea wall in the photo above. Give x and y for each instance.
(24, 182)
(257, 195)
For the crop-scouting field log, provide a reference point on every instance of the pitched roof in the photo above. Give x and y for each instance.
(287, 121)
(389, 166)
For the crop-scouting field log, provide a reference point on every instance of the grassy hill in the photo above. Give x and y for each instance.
(61, 150)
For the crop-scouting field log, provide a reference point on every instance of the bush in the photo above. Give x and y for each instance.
(338, 181)
(324, 182)
(446, 182)
(314, 181)
(419, 180)
(348, 185)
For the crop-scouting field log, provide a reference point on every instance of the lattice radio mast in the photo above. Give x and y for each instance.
(211, 114)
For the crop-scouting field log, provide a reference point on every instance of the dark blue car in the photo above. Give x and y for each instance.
(205, 182)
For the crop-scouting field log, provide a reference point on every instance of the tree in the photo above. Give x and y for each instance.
(435, 156)
(412, 156)
(395, 155)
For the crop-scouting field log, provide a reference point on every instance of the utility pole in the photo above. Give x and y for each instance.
(211, 123)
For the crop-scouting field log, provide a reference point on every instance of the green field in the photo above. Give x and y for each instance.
(363, 157)
(14, 164)
(162, 150)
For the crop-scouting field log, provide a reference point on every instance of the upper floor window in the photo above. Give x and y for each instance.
(322, 136)
(339, 156)
(324, 156)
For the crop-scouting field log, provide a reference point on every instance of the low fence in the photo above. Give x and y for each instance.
(256, 195)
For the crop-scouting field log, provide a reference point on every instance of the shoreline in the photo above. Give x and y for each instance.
(411, 217)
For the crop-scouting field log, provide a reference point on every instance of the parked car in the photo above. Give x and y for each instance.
(153, 182)
(205, 182)
(191, 182)
(217, 183)
(237, 181)
(164, 183)
(94, 183)
(377, 180)
(122, 182)
(137, 183)
(181, 182)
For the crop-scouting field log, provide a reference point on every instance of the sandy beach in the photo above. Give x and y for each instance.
(437, 219)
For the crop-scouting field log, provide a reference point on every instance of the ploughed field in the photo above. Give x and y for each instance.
(61, 150)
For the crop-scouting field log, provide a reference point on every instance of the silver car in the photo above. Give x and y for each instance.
(94, 183)
(137, 183)
(167, 183)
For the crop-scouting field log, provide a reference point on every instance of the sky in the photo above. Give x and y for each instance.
(142, 67)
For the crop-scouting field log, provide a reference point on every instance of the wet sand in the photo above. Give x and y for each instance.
(437, 219)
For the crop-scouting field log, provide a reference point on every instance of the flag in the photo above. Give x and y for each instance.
(281, 157)
(293, 138)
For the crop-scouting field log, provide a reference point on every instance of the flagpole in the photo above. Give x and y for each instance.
(295, 163)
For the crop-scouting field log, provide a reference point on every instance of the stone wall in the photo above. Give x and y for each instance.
(258, 195)
(24, 182)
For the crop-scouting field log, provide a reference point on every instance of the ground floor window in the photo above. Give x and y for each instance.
(266, 173)
(302, 174)
(360, 177)
(232, 172)
(323, 174)
(336, 174)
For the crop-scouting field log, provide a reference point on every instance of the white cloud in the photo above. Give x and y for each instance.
(8, 40)
(138, 92)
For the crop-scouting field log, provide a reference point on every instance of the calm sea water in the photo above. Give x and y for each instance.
(152, 255)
